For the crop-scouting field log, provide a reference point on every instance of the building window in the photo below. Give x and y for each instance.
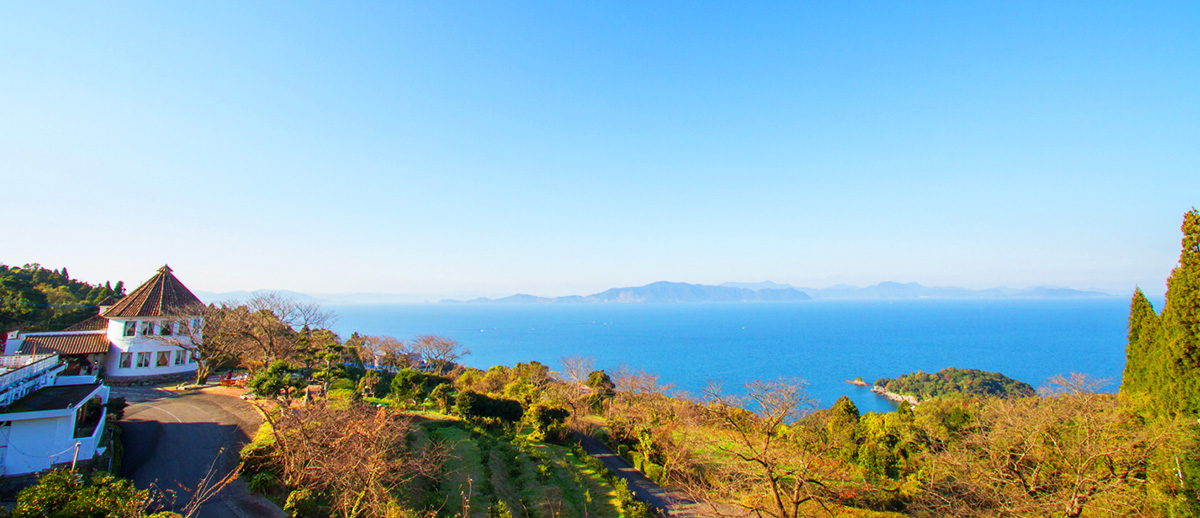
(179, 357)
(191, 359)
(196, 324)
(165, 328)
(143, 360)
(126, 358)
(183, 328)
(146, 329)
(130, 327)
(164, 359)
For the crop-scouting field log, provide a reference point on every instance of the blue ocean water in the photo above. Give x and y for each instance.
(822, 342)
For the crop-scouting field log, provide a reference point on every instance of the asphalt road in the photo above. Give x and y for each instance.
(172, 439)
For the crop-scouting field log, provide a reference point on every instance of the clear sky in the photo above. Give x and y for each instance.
(567, 147)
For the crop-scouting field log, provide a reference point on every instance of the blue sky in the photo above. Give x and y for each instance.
(563, 148)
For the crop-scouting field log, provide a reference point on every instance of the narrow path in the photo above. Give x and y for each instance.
(671, 502)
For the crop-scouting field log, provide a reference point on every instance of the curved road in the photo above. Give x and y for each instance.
(172, 438)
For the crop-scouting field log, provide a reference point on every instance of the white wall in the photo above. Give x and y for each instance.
(37, 444)
(142, 344)
(43, 439)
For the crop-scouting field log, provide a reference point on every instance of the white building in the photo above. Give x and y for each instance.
(146, 337)
(47, 419)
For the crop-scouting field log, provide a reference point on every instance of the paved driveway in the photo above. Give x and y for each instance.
(172, 438)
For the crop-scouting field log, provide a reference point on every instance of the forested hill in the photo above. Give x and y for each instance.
(956, 381)
(33, 298)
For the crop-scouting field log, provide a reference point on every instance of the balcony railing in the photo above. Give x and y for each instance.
(24, 367)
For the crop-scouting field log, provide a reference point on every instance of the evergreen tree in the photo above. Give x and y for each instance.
(1180, 329)
(1162, 369)
(1139, 354)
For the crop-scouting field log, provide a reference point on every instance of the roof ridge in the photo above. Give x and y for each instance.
(159, 296)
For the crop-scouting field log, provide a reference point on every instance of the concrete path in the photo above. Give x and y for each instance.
(172, 438)
(672, 503)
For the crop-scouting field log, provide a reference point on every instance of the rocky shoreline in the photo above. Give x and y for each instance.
(912, 400)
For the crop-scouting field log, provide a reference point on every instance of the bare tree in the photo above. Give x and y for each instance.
(760, 467)
(387, 350)
(573, 383)
(272, 327)
(1060, 455)
(359, 456)
(204, 332)
(439, 351)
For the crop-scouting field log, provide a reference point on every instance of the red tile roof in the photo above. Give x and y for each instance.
(163, 295)
(95, 323)
(65, 344)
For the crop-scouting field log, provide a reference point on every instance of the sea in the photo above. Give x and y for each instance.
(824, 343)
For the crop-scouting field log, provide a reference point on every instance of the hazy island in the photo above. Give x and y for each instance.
(659, 292)
(673, 292)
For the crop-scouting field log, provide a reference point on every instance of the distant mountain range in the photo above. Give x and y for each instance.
(912, 290)
(669, 292)
(659, 292)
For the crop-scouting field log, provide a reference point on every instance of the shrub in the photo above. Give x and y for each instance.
(414, 384)
(441, 396)
(341, 384)
(262, 482)
(341, 393)
(547, 422)
(300, 504)
(473, 405)
(277, 379)
(116, 407)
(66, 493)
(655, 472)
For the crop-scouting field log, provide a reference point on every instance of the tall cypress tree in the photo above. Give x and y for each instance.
(1180, 325)
(1140, 353)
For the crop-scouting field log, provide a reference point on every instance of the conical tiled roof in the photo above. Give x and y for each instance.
(163, 295)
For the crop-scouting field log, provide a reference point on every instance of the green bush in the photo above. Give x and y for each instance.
(258, 456)
(414, 384)
(65, 493)
(116, 407)
(341, 384)
(472, 405)
(341, 393)
(300, 504)
(655, 472)
(547, 423)
(636, 459)
(278, 379)
(262, 482)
